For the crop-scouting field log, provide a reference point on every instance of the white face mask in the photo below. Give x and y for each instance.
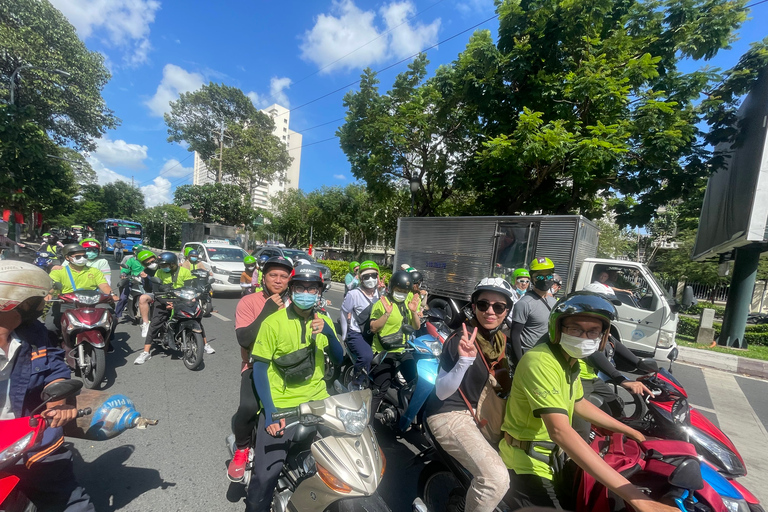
(399, 297)
(370, 282)
(579, 347)
(152, 266)
(82, 260)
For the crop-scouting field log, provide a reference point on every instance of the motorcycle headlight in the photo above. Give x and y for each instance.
(735, 505)
(87, 299)
(436, 347)
(104, 321)
(186, 294)
(354, 421)
(716, 452)
(15, 449)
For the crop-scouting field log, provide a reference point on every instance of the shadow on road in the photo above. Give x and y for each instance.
(117, 358)
(124, 484)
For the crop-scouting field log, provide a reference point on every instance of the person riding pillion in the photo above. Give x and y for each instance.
(170, 274)
(148, 261)
(130, 267)
(251, 312)
(388, 316)
(546, 396)
(288, 370)
(250, 275)
(192, 262)
(351, 280)
(471, 356)
(356, 313)
(522, 283)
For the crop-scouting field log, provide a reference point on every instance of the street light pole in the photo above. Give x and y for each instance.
(415, 185)
(165, 218)
(15, 75)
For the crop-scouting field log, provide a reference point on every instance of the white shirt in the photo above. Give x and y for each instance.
(6, 367)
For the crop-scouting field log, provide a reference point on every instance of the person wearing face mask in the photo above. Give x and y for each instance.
(77, 275)
(92, 253)
(30, 359)
(52, 245)
(170, 274)
(288, 369)
(522, 283)
(356, 312)
(351, 280)
(468, 357)
(531, 311)
(546, 396)
(148, 261)
(388, 316)
(192, 262)
(418, 288)
(250, 275)
(130, 266)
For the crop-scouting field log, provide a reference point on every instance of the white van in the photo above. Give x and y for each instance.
(224, 260)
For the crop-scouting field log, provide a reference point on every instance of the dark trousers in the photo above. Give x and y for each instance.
(160, 315)
(605, 391)
(125, 293)
(535, 491)
(386, 371)
(361, 349)
(244, 420)
(269, 455)
(51, 485)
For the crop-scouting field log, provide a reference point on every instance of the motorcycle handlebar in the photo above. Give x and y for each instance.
(84, 412)
(279, 415)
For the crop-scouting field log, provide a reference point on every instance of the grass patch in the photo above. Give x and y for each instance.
(752, 352)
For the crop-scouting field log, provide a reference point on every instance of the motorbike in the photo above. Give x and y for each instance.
(247, 289)
(183, 330)
(85, 332)
(136, 290)
(203, 282)
(334, 462)
(19, 436)
(44, 260)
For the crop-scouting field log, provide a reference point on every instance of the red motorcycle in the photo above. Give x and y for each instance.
(21, 435)
(85, 332)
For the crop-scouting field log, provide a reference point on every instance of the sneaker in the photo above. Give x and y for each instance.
(143, 358)
(144, 329)
(209, 349)
(236, 470)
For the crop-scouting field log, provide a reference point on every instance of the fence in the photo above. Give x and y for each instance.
(707, 292)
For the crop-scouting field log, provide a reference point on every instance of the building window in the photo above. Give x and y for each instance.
(283, 137)
(285, 130)
(285, 121)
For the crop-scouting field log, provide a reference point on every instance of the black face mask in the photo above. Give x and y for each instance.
(30, 309)
(544, 285)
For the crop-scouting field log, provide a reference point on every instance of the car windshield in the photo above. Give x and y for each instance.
(226, 254)
(295, 254)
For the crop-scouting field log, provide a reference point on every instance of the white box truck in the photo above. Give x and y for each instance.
(455, 253)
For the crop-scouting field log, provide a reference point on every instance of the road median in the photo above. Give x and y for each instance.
(725, 362)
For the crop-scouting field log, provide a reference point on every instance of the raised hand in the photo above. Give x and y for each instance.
(317, 324)
(413, 305)
(387, 305)
(277, 299)
(467, 347)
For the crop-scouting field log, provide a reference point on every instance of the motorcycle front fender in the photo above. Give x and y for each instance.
(372, 503)
(8, 498)
(94, 337)
(192, 325)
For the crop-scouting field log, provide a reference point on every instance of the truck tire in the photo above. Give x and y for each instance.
(449, 315)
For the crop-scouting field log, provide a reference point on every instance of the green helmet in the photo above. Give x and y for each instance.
(353, 265)
(187, 250)
(521, 272)
(145, 255)
(137, 248)
(88, 240)
(249, 260)
(368, 265)
(46, 235)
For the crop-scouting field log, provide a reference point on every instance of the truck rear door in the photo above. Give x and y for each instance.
(514, 248)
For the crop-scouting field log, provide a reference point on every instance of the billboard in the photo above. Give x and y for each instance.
(735, 209)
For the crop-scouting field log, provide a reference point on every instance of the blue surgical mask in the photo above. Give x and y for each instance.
(193, 260)
(165, 269)
(91, 255)
(304, 300)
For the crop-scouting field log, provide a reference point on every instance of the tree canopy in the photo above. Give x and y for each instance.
(215, 202)
(153, 222)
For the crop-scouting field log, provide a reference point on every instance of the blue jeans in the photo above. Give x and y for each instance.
(361, 350)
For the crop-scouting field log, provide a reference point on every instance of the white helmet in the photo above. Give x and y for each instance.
(494, 284)
(20, 281)
(600, 289)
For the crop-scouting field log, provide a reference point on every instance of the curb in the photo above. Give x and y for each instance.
(725, 362)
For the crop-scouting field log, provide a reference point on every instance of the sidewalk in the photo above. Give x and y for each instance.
(726, 362)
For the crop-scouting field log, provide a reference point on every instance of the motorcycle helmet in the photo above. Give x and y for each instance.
(22, 283)
(187, 250)
(193, 254)
(91, 243)
(249, 260)
(416, 277)
(137, 248)
(521, 272)
(72, 249)
(496, 285)
(352, 266)
(144, 255)
(277, 261)
(582, 303)
(541, 264)
(306, 274)
(400, 279)
(367, 267)
(168, 259)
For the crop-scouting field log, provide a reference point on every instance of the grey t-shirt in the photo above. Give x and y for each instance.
(533, 313)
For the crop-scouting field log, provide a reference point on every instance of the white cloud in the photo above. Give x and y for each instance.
(157, 193)
(347, 29)
(173, 169)
(277, 88)
(175, 81)
(257, 100)
(475, 6)
(121, 23)
(339, 176)
(105, 175)
(119, 153)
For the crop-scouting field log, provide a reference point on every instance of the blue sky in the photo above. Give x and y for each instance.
(289, 52)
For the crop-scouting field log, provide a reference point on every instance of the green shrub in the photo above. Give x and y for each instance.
(754, 334)
(339, 269)
(698, 308)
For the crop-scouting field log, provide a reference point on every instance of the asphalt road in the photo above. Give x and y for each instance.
(180, 464)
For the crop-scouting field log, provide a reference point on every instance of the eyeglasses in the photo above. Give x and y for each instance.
(313, 288)
(523, 281)
(498, 307)
(581, 333)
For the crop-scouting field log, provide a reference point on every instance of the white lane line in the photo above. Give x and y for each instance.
(333, 308)
(220, 317)
(702, 408)
(740, 422)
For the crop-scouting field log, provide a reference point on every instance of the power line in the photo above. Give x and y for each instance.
(167, 170)
(756, 3)
(319, 125)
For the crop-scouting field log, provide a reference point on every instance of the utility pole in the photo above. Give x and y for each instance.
(165, 219)
(221, 152)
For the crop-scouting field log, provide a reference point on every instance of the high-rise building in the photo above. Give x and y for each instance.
(292, 140)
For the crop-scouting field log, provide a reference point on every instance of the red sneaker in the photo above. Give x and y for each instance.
(236, 469)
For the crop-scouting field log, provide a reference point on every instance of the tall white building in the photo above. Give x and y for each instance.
(292, 140)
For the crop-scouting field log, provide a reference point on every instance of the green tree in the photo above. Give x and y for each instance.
(122, 201)
(575, 98)
(83, 172)
(290, 217)
(408, 134)
(615, 242)
(36, 39)
(152, 221)
(88, 212)
(215, 202)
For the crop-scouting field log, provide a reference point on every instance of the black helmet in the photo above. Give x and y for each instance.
(582, 303)
(400, 279)
(71, 249)
(276, 261)
(416, 277)
(170, 259)
(306, 274)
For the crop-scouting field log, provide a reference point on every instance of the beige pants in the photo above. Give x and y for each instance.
(458, 435)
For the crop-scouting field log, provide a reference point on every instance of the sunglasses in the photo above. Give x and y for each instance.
(498, 307)
(549, 277)
(523, 281)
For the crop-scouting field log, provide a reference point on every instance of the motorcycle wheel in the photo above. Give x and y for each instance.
(97, 362)
(207, 308)
(436, 486)
(348, 375)
(194, 348)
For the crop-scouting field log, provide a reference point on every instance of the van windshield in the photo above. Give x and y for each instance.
(231, 254)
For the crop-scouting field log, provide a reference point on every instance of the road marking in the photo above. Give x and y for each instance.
(220, 316)
(739, 421)
(702, 408)
(331, 307)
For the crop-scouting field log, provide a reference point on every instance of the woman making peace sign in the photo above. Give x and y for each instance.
(467, 355)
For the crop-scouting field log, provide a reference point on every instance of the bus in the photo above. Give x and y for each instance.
(118, 236)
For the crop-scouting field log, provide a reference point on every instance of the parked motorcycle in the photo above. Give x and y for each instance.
(44, 260)
(85, 332)
(183, 330)
(203, 282)
(335, 461)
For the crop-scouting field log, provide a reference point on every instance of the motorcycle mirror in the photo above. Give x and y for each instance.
(57, 286)
(434, 314)
(58, 390)
(687, 476)
(648, 365)
(407, 329)
(154, 279)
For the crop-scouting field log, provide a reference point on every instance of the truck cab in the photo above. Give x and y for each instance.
(648, 314)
